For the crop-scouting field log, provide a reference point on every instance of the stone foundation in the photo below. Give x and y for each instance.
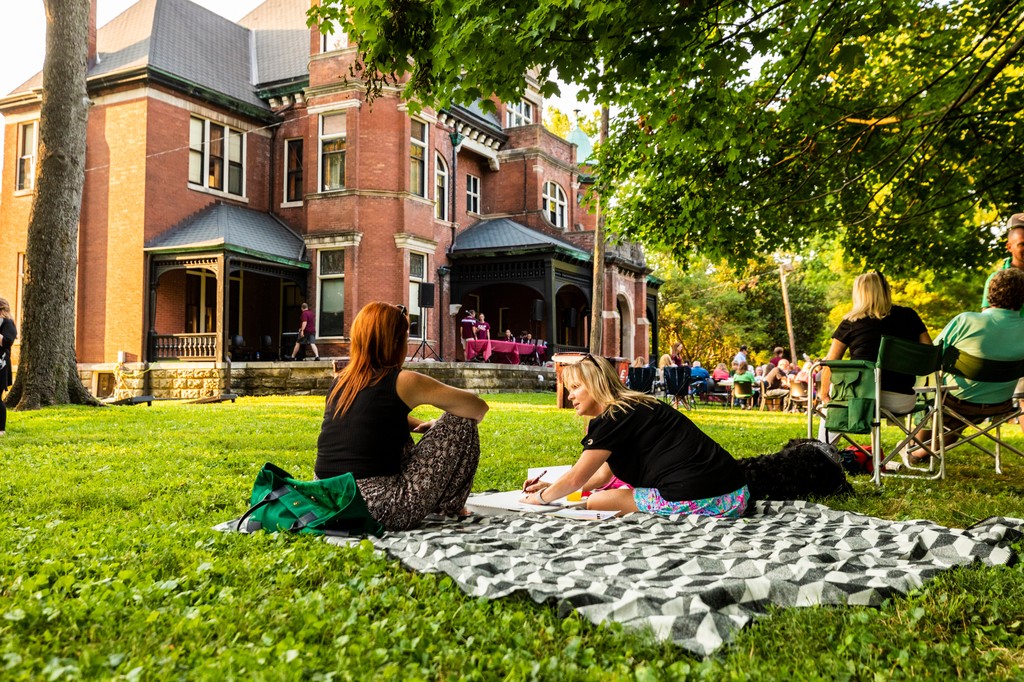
(190, 381)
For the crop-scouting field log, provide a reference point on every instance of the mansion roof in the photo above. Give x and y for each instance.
(506, 235)
(234, 228)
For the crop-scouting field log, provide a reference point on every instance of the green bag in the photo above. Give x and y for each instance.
(330, 506)
(852, 407)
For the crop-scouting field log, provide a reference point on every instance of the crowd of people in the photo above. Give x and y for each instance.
(474, 326)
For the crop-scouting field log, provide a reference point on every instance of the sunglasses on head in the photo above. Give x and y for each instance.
(592, 359)
(402, 309)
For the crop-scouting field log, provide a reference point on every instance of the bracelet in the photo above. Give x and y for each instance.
(540, 496)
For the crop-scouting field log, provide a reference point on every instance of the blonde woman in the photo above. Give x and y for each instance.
(872, 317)
(8, 333)
(673, 466)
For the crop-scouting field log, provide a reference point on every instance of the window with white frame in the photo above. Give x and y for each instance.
(293, 170)
(417, 276)
(440, 188)
(331, 290)
(519, 114)
(335, 39)
(418, 159)
(216, 157)
(472, 194)
(332, 151)
(27, 146)
(555, 204)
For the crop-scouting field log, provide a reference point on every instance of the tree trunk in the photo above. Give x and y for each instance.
(597, 307)
(47, 369)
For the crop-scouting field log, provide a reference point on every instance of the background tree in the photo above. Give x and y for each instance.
(47, 368)
(756, 125)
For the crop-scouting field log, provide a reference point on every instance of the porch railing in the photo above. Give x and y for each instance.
(183, 347)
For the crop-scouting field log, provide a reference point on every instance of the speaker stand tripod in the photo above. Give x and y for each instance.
(424, 347)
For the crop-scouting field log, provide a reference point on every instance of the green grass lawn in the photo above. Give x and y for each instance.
(111, 570)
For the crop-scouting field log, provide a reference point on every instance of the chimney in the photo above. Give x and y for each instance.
(91, 57)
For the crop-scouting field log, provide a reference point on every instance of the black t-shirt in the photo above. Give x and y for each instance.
(656, 446)
(865, 335)
(369, 438)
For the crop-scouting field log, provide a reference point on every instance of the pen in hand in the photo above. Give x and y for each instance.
(530, 482)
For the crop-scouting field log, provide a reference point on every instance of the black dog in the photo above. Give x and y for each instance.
(803, 468)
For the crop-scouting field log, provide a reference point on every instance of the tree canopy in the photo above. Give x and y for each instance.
(751, 125)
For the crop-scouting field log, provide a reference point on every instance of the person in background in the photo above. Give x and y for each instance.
(483, 329)
(367, 427)
(996, 333)
(1015, 245)
(741, 356)
(509, 336)
(873, 316)
(673, 466)
(467, 330)
(777, 355)
(307, 333)
(700, 379)
(720, 373)
(677, 354)
(8, 334)
(525, 337)
(744, 374)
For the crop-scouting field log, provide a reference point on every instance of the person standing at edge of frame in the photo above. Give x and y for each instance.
(8, 333)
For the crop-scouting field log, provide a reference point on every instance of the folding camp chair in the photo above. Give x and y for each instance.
(743, 393)
(957, 363)
(798, 396)
(677, 385)
(851, 407)
(918, 359)
(641, 379)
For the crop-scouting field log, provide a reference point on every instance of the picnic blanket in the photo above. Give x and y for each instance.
(697, 580)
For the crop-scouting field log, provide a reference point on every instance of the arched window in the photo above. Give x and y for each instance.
(441, 197)
(554, 204)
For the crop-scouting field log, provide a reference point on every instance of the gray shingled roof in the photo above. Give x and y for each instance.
(282, 40)
(234, 228)
(180, 38)
(504, 234)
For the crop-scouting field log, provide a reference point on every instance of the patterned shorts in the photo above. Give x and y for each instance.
(728, 506)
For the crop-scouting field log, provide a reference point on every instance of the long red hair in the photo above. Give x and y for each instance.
(379, 340)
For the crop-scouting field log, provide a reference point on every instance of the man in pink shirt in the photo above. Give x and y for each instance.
(307, 333)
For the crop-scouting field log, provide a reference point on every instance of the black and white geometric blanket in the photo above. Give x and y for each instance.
(696, 580)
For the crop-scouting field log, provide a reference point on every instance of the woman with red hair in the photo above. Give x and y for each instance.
(367, 427)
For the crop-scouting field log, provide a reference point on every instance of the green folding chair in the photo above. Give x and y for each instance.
(851, 408)
(919, 360)
(958, 363)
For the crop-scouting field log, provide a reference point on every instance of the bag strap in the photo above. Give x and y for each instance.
(270, 497)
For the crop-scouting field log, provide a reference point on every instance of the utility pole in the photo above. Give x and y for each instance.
(785, 267)
(597, 306)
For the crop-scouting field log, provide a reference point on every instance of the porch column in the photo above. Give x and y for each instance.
(150, 331)
(222, 303)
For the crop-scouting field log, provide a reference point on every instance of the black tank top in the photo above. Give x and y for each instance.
(368, 440)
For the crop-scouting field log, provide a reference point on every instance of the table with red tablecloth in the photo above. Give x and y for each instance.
(504, 352)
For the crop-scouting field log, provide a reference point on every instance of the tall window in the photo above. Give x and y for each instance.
(520, 114)
(216, 157)
(417, 275)
(335, 39)
(440, 188)
(418, 159)
(26, 170)
(331, 277)
(554, 204)
(332, 152)
(472, 194)
(293, 170)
